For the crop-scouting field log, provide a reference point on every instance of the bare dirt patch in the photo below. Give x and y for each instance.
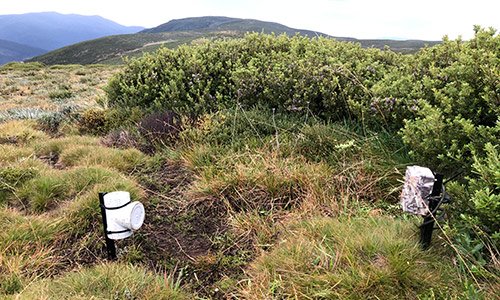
(190, 235)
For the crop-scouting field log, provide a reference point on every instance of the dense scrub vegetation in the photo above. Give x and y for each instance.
(443, 101)
(270, 168)
(445, 98)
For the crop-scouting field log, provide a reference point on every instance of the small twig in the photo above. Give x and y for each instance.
(158, 194)
(182, 250)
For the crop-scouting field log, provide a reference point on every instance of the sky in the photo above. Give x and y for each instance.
(363, 19)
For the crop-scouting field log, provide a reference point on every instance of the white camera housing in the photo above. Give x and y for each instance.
(122, 216)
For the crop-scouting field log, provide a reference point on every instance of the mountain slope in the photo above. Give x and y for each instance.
(112, 49)
(10, 51)
(189, 24)
(226, 23)
(52, 30)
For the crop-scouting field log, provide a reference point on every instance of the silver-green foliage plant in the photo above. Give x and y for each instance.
(22, 114)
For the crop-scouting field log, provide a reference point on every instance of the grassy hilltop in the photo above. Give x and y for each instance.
(270, 168)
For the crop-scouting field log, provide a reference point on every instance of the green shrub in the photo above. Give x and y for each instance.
(447, 144)
(64, 92)
(94, 121)
(458, 109)
(486, 190)
(478, 203)
(288, 74)
(445, 98)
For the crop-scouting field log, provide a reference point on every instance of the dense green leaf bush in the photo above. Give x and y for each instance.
(479, 199)
(446, 98)
(457, 87)
(288, 74)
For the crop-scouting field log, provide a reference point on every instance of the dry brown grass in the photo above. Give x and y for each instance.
(34, 87)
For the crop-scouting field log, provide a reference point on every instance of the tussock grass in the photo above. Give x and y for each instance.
(24, 267)
(11, 153)
(50, 208)
(73, 151)
(13, 177)
(266, 179)
(56, 146)
(262, 228)
(106, 281)
(122, 160)
(13, 132)
(260, 179)
(273, 182)
(26, 252)
(43, 192)
(34, 185)
(31, 245)
(20, 231)
(350, 259)
(361, 165)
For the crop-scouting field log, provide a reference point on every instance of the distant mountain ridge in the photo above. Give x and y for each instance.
(11, 51)
(188, 24)
(112, 49)
(50, 30)
(218, 23)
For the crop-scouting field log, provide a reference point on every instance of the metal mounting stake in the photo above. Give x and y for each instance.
(110, 244)
(428, 224)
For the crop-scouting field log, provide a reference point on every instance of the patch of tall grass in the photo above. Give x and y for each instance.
(20, 131)
(107, 281)
(350, 258)
(258, 156)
